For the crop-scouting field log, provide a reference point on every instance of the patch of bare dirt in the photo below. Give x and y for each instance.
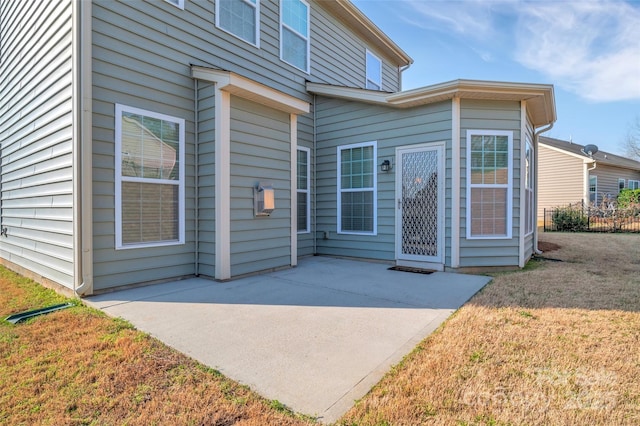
(546, 246)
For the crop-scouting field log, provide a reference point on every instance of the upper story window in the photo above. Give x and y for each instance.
(489, 183)
(176, 3)
(294, 33)
(240, 18)
(357, 201)
(374, 72)
(149, 178)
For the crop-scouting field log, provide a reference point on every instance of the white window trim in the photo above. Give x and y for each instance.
(119, 109)
(509, 185)
(307, 37)
(306, 192)
(634, 183)
(528, 191)
(374, 189)
(623, 182)
(257, 7)
(366, 65)
(179, 4)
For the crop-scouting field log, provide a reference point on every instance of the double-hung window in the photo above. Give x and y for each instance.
(593, 189)
(530, 213)
(149, 178)
(621, 183)
(294, 33)
(357, 200)
(489, 183)
(304, 205)
(374, 71)
(240, 18)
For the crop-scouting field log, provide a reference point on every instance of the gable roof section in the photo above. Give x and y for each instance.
(602, 157)
(345, 11)
(539, 97)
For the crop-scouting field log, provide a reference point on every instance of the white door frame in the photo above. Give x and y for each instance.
(430, 262)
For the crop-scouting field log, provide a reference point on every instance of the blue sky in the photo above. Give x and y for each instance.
(589, 50)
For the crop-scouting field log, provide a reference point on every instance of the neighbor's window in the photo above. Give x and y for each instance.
(489, 188)
(620, 184)
(294, 33)
(149, 178)
(530, 213)
(240, 18)
(304, 209)
(357, 199)
(374, 71)
(634, 184)
(593, 189)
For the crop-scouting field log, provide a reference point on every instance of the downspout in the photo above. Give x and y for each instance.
(315, 188)
(196, 172)
(400, 71)
(535, 184)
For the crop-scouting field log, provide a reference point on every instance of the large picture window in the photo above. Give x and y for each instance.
(240, 18)
(357, 201)
(304, 219)
(374, 71)
(149, 178)
(489, 188)
(294, 33)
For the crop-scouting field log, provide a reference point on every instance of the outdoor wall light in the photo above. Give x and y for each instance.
(264, 202)
(385, 166)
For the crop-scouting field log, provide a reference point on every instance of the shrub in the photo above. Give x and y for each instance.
(570, 219)
(628, 197)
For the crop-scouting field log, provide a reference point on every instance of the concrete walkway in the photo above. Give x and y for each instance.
(315, 337)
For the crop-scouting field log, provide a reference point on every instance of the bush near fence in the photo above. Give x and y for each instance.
(611, 215)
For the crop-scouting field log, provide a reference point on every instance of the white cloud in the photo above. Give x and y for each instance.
(590, 48)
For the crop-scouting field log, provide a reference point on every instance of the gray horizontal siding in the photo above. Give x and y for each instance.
(260, 151)
(608, 180)
(490, 115)
(36, 131)
(341, 123)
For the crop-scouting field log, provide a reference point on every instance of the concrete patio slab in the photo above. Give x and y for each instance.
(316, 337)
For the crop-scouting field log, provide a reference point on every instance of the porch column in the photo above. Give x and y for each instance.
(223, 183)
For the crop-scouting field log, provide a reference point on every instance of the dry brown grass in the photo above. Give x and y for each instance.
(79, 367)
(557, 343)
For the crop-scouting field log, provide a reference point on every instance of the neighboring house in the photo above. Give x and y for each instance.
(143, 141)
(567, 175)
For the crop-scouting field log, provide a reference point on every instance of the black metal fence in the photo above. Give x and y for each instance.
(578, 217)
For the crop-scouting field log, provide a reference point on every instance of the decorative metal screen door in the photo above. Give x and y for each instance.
(420, 203)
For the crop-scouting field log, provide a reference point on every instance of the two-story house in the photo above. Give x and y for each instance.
(152, 140)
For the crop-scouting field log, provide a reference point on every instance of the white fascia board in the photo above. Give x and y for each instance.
(251, 90)
(585, 159)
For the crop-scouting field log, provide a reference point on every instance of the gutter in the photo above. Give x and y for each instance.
(82, 150)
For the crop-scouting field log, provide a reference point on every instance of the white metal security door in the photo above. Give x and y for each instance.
(420, 204)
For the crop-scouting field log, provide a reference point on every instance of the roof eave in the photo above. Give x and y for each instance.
(348, 12)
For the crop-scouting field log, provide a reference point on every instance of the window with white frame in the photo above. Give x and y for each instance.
(593, 189)
(294, 33)
(489, 183)
(621, 184)
(304, 196)
(357, 200)
(374, 71)
(240, 18)
(634, 184)
(149, 178)
(176, 3)
(530, 213)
